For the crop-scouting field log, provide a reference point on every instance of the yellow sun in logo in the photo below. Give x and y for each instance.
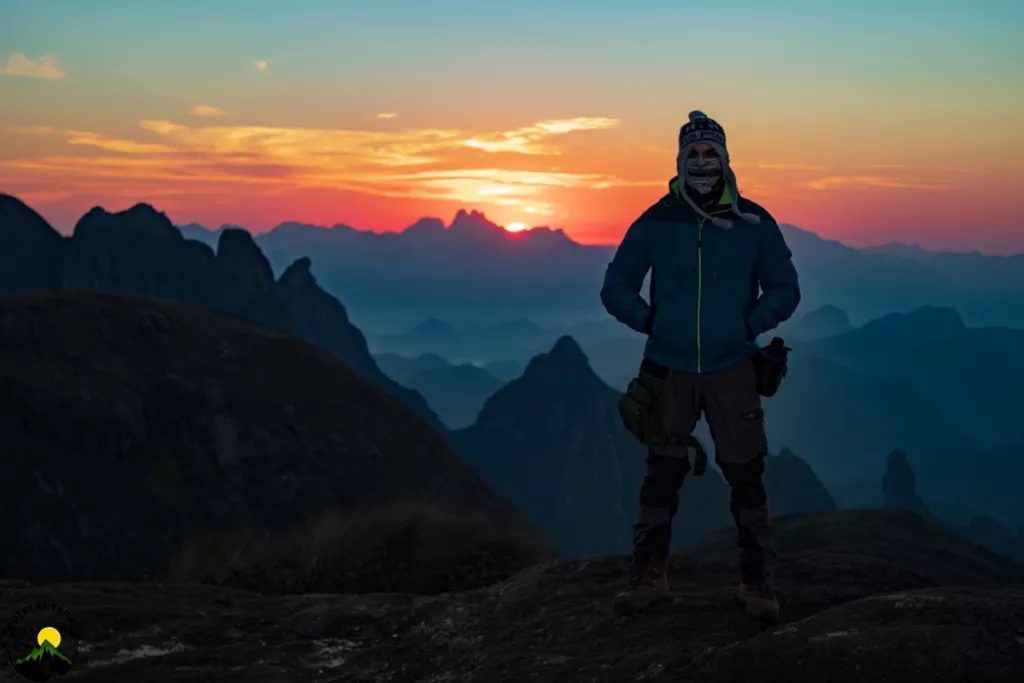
(48, 633)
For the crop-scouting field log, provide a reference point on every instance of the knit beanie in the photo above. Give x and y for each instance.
(702, 129)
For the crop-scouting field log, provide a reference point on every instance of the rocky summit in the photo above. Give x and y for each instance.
(888, 598)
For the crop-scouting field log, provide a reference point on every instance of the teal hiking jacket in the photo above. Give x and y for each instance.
(708, 284)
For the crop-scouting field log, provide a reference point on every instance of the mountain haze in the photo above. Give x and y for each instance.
(472, 264)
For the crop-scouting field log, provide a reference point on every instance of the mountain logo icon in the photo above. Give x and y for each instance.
(41, 641)
(45, 660)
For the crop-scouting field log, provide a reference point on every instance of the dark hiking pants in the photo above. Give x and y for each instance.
(732, 407)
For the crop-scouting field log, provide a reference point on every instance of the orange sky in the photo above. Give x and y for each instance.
(859, 131)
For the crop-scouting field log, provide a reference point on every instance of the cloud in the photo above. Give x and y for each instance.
(45, 67)
(419, 163)
(526, 140)
(207, 111)
(777, 167)
(261, 64)
(943, 169)
(79, 137)
(853, 182)
(34, 130)
(387, 115)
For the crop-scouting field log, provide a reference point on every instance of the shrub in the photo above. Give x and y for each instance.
(409, 548)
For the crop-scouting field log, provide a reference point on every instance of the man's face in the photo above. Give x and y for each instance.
(703, 168)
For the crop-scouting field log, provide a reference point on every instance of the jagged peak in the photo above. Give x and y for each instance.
(828, 311)
(427, 225)
(233, 238)
(565, 359)
(298, 272)
(473, 223)
(237, 248)
(140, 219)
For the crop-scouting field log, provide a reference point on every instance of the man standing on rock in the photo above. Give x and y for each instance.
(721, 274)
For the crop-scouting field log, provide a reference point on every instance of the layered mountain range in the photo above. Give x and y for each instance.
(139, 251)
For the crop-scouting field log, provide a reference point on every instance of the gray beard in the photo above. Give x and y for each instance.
(703, 175)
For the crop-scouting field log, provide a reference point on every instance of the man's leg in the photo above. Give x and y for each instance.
(736, 419)
(667, 467)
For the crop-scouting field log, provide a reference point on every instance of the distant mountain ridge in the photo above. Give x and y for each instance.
(474, 263)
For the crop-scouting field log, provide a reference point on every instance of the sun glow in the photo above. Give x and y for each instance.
(516, 227)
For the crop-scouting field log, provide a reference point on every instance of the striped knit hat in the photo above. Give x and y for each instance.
(701, 129)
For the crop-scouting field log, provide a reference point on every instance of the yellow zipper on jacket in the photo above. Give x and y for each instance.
(700, 280)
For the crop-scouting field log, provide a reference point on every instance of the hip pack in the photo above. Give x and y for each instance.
(770, 366)
(643, 416)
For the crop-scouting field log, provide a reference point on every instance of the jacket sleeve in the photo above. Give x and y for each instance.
(780, 288)
(624, 278)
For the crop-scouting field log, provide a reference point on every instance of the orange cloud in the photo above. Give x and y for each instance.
(206, 110)
(413, 163)
(525, 140)
(387, 116)
(46, 67)
(849, 182)
(261, 65)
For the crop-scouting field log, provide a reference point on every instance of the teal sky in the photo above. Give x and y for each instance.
(838, 85)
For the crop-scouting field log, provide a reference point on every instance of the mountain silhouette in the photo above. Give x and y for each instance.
(473, 264)
(163, 421)
(140, 251)
(827, 321)
(974, 375)
(456, 393)
(402, 369)
(900, 492)
(552, 441)
(793, 487)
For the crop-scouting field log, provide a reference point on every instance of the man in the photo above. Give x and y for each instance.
(721, 274)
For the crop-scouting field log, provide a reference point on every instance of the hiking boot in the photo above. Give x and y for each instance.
(759, 601)
(649, 589)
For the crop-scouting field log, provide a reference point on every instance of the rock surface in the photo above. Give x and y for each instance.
(130, 424)
(848, 614)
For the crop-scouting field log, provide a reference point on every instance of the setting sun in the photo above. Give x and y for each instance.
(516, 227)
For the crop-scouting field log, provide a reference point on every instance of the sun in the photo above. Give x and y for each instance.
(516, 227)
(48, 633)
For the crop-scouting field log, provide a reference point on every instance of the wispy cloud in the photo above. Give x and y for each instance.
(387, 115)
(942, 169)
(45, 67)
(419, 163)
(527, 140)
(33, 130)
(776, 167)
(261, 64)
(208, 111)
(859, 181)
(85, 138)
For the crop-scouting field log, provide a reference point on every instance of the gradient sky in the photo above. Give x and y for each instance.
(867, 122)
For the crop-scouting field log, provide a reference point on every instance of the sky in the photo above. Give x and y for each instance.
(867, 122)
